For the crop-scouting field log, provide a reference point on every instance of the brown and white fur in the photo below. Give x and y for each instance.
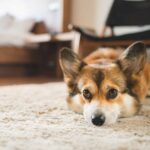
(107, 84)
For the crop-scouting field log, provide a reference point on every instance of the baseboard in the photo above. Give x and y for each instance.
(18, 69)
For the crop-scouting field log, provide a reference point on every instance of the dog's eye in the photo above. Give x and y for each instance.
(87, 95)
(111, 94)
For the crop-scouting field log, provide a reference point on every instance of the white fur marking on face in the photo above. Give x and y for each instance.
(89, 110)
(110, 65)
(111, 112)
(128, 102)
(80, 84)
(77, 103)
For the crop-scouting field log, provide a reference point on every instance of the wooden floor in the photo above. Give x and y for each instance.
(27, 80)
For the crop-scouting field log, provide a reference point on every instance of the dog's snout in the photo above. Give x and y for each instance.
(98, 120)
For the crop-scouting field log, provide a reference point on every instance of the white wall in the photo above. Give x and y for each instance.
(90, 13)
(24, 8)
(83, 12)
(47, 10)
(102, 10)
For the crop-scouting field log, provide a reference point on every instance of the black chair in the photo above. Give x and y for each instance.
(122, 13)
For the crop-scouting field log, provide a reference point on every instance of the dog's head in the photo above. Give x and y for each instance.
(106, 90)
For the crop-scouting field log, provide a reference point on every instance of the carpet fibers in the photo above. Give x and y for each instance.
(35, 117)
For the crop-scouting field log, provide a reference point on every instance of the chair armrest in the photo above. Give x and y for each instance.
(86, 33)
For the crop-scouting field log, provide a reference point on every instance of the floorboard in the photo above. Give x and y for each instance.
(27, 80)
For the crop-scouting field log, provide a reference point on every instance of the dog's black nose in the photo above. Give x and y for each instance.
(98, 120)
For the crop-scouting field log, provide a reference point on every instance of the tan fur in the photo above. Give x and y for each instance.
(110, 54)
(143, 78)
(100, 74)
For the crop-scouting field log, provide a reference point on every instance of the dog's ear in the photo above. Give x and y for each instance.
(133, 59)
(70, 63)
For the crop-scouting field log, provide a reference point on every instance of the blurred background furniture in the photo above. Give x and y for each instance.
(49, 57)
(18, 56)
(32, 32)
(122, 13)
(26, 44)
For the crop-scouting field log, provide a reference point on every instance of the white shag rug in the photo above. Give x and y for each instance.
(35, 117)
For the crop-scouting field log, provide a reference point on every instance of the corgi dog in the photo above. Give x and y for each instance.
(107, 84)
